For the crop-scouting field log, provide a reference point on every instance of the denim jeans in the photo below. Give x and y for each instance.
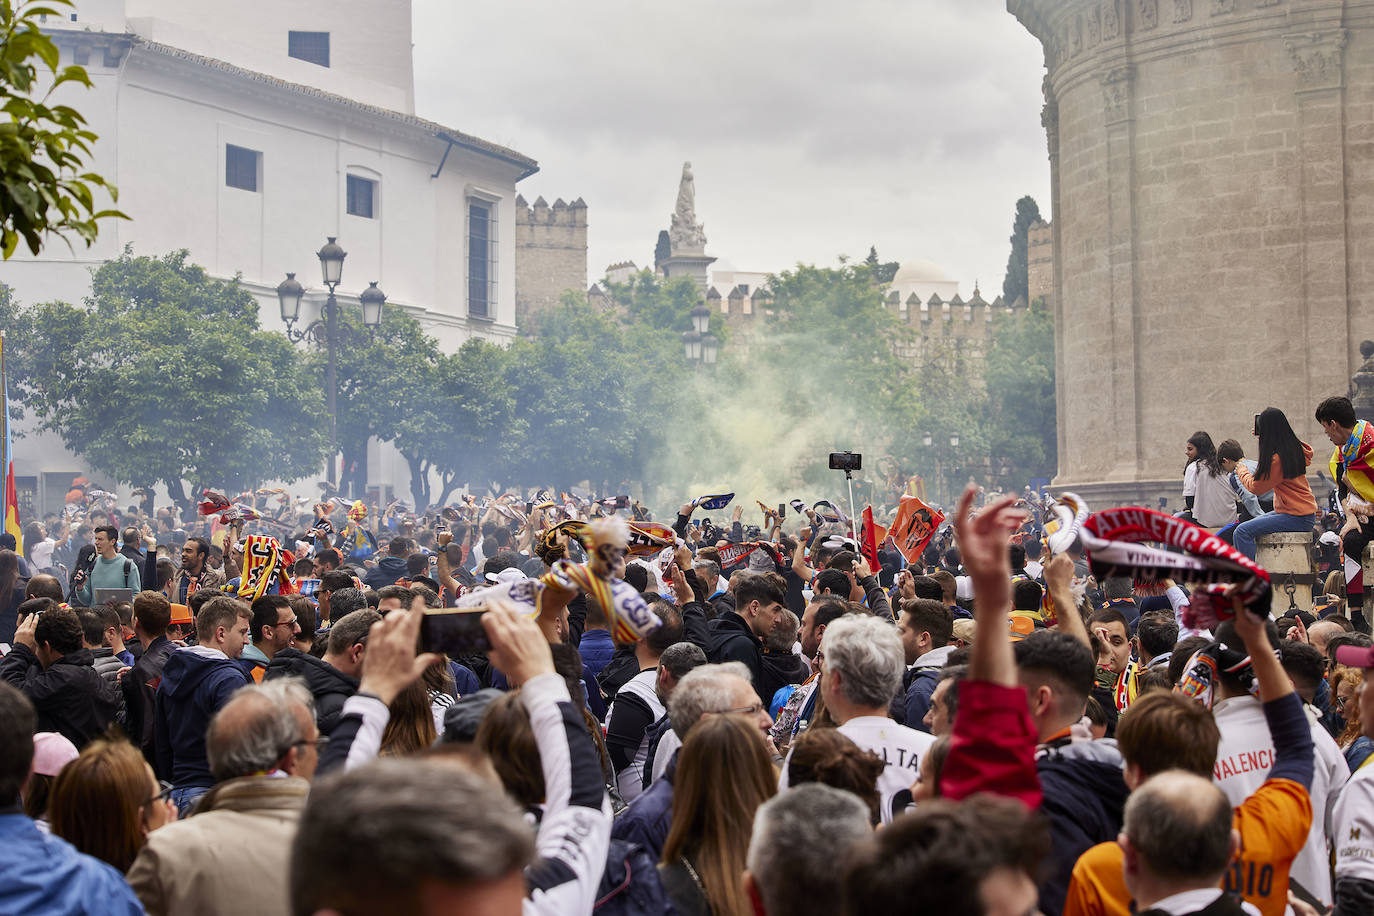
(185, 798)
(1269, 523)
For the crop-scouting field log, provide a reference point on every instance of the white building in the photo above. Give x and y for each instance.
(249, 132)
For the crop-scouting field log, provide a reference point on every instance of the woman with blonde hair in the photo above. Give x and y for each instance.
(1345, 698)
(724, 773)
(107, 801)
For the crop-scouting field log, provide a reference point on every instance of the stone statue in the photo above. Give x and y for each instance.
(685, 233)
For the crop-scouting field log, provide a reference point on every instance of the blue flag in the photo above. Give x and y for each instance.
(712, 503)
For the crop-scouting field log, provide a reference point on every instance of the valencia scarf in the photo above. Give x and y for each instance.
(265, 562)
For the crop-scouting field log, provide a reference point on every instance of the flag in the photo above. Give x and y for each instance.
(712, 503)
(914, 526)
(7, 460)
(871, 538)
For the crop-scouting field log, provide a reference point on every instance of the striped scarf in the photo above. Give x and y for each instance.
(264, 564)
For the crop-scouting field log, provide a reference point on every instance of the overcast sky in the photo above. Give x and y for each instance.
(815, 128)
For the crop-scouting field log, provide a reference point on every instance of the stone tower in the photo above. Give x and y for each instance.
(550, 253)
(1213, 224)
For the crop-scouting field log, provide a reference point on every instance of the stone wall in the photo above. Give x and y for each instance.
(1213, 228)
(956, 332)
(550, 253)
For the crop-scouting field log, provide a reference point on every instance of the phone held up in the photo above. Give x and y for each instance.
(454, 631)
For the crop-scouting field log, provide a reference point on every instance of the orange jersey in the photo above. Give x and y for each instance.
(1273, 825)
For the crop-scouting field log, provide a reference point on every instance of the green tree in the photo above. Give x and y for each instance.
(1017, 282)
(467, 429)
(165, 375)
(883, 271)
(44, 147)
(1020, 383)
(386, 382)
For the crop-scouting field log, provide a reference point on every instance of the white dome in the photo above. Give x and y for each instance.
(920, 271)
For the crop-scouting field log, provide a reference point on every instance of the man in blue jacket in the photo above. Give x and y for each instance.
(196, 682)
(40, 874)
(392, 567)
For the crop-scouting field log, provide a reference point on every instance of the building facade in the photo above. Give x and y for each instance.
(1213, 230)
(248, 133)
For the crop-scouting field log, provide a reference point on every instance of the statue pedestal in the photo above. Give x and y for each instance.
(688, 264)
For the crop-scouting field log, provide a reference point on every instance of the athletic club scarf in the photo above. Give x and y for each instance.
(712, 503)
(264, 562)
(648, 539)
(1354, 461)
(738, 556)
(1114, 540)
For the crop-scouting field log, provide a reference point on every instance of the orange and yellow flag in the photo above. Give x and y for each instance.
(7, 458)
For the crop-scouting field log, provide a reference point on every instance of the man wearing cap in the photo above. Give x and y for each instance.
(1353, 836)
(1246, 752)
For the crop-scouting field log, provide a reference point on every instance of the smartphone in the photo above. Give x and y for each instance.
(453, 631)
(782, 511)
(1257, 416)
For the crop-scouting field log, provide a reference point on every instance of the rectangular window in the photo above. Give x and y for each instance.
(241, 167)
(312, 47)
(481, 258)
(362, 193)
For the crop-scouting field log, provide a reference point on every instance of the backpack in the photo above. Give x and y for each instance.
(629, 885)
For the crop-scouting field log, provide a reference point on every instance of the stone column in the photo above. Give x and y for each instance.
(1121, 259)
(1317, 60)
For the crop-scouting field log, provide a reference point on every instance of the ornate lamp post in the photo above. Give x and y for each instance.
(325, 329)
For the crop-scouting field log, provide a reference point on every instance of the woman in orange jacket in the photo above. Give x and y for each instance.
(1282, 468)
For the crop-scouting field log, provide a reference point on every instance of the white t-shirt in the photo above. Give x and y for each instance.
(1244, 758)
(1354, 837)
(1190, 479)
(901, 748)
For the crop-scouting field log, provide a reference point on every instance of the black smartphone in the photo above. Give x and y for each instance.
(1257, 416)
(453, 631)
(782, 510)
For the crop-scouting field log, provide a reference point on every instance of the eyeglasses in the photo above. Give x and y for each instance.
(286, 623)
(166, 792)
(753, 710)
(1341, 701)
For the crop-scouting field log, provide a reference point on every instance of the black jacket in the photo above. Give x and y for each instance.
(1084, 795)
(329, 686)
(782, 669)
(733, 641)
(70, 697)
(139, 685)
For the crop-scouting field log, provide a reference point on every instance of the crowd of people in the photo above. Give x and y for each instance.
(691, 718)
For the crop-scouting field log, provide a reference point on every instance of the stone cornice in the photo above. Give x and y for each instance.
(1317, 58)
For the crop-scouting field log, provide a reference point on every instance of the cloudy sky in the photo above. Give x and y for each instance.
(815, 128)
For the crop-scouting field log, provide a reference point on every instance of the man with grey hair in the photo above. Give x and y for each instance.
(673, 665)
(861, 671)
(333, 678)
(798, 837)
(233, 856)
(704, 691)
(1178, 841)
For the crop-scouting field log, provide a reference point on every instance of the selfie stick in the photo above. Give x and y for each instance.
(849, 479)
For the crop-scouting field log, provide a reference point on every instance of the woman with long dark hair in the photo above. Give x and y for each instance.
(12, 586)
(1199, 451)
(1282, 468)
(723, 774)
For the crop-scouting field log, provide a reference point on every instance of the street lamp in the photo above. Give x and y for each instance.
(699, 344)
(325, 329)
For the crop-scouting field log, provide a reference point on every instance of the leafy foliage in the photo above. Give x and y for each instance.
(44, 147)
(1020, 380)
(1017, 281)
(165, 374)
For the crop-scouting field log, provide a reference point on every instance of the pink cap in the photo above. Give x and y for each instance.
(51, 752)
